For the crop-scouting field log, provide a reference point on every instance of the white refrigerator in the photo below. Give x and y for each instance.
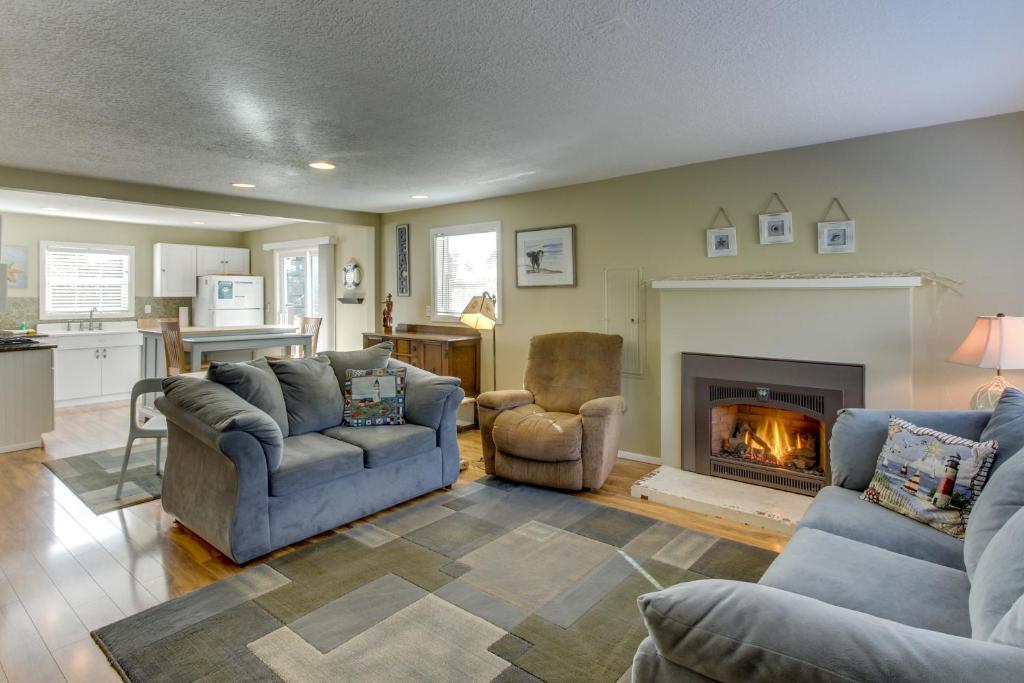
(228, 301)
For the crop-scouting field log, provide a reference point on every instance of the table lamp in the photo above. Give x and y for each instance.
(479, 314)
(995, 341)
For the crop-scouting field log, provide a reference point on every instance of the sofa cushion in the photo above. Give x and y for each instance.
(999, 578)
(841, 512)
(256, 383)
(1010, 629)
(930, 476)
(1002, 497)
(532, 433)
(862, 577)
(311, 459)
(311, 394)
(859, 434)
(374, 397)
(1006, 426)
(225, 411)
(425, 394)
(388, 443)
(361, 359)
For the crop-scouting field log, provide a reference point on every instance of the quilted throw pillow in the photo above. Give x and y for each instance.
(930, 476)
(374, 397)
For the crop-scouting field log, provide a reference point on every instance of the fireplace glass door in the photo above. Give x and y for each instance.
(767, 436)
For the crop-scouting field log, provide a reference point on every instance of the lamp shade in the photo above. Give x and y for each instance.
(995, 341)
(479, 312)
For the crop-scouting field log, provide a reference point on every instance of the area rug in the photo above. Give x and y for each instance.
(489, 582)
(93, 476)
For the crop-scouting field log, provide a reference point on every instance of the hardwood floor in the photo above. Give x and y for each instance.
(65, 571)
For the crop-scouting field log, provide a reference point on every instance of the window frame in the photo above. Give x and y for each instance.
(465, 229)
(311, 253)
(44, 303)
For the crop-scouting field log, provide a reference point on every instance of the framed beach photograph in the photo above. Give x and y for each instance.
(837, 237)
(546, 257)
(775, 228)
(16, 258)
(722, 242)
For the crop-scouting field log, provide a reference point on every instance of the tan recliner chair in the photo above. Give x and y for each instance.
(563, 429)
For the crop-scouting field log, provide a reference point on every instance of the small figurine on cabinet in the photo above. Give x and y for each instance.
(386, 318)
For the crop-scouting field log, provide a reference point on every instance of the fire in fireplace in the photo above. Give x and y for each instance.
(773, 437)
(764, 421)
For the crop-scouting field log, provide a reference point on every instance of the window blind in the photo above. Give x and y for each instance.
(465, 265)
(79, 278)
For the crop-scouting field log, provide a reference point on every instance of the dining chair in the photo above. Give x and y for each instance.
(311, 326)
(155, 428)
(174, 348)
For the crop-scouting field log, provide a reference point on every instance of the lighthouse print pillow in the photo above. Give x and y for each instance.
(930, 476)
(374, 397)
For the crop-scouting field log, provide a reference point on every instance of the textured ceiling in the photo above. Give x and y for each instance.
(474, 98)
(71, 206)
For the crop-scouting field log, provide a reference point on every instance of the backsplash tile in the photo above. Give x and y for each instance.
(26, 309)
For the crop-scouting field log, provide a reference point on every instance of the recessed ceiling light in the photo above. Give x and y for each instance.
(244, 186)
(420, 196)
(236, 215)
(198, 223)
(322, 165)
(51, 209)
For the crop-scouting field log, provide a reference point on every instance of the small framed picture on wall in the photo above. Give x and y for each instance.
(546, 257)
(837, 237)
(775, 228)
(722, 242)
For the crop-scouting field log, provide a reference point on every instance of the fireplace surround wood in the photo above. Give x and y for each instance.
(809, 392)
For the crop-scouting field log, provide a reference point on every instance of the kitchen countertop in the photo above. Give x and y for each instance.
(192, 331)
(34, 347)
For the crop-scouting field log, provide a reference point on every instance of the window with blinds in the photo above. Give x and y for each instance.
(77, 278)
(465, 260)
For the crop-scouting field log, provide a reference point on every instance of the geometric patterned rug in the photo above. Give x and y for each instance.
(93, 476)
(492, 581)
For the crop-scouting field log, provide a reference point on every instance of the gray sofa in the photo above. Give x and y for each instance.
(861, 593)
(233, 477)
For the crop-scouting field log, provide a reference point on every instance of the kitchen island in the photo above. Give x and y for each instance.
(217, 340)
(26, 402)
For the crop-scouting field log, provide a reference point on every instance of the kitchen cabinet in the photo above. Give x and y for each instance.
(26, 402)
(218, 260)
(95, 366)
(176, 266)
(174, 270)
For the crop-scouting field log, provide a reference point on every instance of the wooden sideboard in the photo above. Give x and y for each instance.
(440, 349)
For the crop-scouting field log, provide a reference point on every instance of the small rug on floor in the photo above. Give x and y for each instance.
(492, 581)
(93, 476)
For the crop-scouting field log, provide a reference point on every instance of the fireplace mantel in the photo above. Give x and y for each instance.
(861, 282)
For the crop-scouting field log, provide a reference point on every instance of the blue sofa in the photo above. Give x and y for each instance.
(235, 480)
(862, 593)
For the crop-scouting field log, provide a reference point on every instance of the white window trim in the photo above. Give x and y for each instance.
(44, 313)
(487, 226)
(298, 244)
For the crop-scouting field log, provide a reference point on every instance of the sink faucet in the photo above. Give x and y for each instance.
(91, 314)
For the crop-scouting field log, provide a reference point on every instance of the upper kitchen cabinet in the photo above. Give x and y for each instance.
(222, 260)
(174, 270)
(176, 266)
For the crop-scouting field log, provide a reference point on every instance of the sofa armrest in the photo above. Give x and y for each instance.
(730, 630)
(504, 399)
(222, 411)
(601, 407)
(859, 434)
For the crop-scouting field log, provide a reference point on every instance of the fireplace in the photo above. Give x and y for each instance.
(764, 421)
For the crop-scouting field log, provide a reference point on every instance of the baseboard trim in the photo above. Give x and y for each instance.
(639, 457)
(10, 448)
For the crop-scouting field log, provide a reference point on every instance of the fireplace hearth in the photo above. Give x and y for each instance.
(764, 421)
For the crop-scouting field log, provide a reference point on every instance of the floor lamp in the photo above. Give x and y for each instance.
(479, 314)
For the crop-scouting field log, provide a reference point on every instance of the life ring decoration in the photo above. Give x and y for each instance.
(352, 274)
